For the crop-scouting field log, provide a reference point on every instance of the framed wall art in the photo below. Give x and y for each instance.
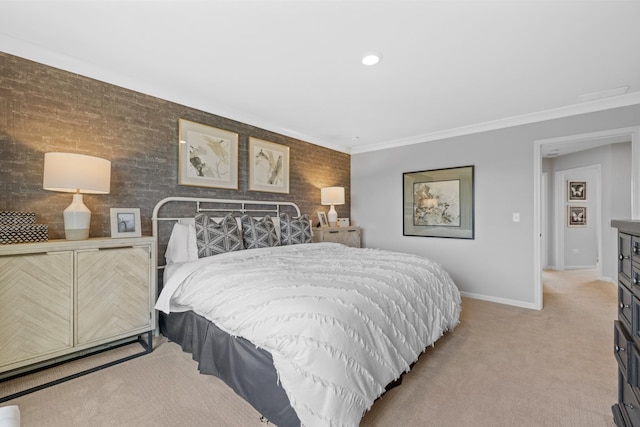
(439, 203)
(577, 191)
(125, 222)
(208, 157)
(268, 166)
(577, 216)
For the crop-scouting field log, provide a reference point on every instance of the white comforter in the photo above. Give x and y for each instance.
(340, 323)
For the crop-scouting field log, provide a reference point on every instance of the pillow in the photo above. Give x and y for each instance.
(182, 245)
(259, 233)
(294, 231)
(214, 238)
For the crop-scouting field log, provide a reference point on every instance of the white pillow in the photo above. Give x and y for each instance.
(182, 245)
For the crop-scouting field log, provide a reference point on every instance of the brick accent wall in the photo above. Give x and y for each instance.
(44, 109)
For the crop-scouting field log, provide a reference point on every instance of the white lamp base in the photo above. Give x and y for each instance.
(333, 216)
(77, 218)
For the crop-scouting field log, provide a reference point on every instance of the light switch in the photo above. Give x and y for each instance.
(516, 217)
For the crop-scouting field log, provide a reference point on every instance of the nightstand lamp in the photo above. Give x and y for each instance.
(332, 196)
(78, 174)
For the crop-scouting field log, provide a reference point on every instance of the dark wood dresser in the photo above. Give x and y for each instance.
(626, 331)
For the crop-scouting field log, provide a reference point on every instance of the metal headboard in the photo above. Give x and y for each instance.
(179, 208)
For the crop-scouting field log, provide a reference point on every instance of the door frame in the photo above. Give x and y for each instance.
(633, 133)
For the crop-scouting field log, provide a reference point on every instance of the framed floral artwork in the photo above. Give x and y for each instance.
(208, 157)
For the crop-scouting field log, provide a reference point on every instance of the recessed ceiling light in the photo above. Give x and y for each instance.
(371, 59)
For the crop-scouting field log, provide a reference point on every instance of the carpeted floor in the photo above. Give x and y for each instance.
(502, 366)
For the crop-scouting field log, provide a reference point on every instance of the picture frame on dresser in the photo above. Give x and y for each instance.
(125, 222)
(207, 156)
(322, 217)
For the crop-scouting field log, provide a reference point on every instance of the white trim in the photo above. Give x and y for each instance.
(633, 133)
(498, 300)
(556, 113)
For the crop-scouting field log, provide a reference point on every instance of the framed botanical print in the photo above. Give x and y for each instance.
(208, 157)
(439, 203)
(268, 166)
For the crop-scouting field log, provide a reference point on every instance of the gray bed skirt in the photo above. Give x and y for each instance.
(248, 370)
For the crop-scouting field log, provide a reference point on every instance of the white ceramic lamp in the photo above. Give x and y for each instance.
(76, 173)
(332, 196)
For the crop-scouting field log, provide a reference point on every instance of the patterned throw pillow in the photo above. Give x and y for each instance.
(294, 231)
(258, 233)
(214, 238)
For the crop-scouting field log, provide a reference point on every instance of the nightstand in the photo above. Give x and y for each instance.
(349, 236)
(63, 297)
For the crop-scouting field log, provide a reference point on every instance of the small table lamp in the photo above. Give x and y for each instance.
(76, 173)
(332, 196)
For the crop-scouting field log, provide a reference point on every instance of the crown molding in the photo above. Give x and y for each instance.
(556, 113)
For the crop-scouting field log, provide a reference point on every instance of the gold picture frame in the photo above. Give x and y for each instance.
(208, 156)
(268, 166)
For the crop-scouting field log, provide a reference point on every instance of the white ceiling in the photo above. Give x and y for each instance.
(293, 67)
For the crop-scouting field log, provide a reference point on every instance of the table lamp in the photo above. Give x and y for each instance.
(78, 174)
(332, 196)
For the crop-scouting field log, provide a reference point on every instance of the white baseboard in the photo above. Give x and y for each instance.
(580, 267)
(498, 300)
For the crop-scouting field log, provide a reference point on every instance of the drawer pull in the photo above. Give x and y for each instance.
(635, 279)
(618, 348)
(629, 405)
(623, 306)
(635, 249)
(622, 257)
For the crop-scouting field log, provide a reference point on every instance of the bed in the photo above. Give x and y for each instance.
(308, 333)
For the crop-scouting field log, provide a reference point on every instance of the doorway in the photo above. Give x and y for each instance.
(571, 144)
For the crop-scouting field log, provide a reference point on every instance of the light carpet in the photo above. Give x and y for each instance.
(502, 366)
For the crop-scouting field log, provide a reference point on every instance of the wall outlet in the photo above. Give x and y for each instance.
(516, 217)
(576, 251)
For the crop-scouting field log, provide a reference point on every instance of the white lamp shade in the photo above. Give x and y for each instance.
(332, 196)
(76, 173)
(72, 173)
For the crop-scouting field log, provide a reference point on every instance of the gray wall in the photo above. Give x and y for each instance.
(45, 109)
(498, 264)
(614, 162)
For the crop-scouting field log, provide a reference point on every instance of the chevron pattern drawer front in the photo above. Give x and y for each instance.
(62, 297)
(36, 307)
(113, 293)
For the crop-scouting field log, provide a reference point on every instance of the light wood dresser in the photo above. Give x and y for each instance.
(349, 236)
(61, 297)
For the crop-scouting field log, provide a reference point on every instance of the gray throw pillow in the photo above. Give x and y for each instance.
(214, 238)
(294, 231)
(259, 233)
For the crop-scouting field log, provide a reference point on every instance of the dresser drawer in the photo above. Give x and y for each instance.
(625, 306)
(635, 249)
(629, 405)
(634, 283)
(624, 257)
(622, 345)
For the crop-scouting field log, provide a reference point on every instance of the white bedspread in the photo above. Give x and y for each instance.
(340, 323)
